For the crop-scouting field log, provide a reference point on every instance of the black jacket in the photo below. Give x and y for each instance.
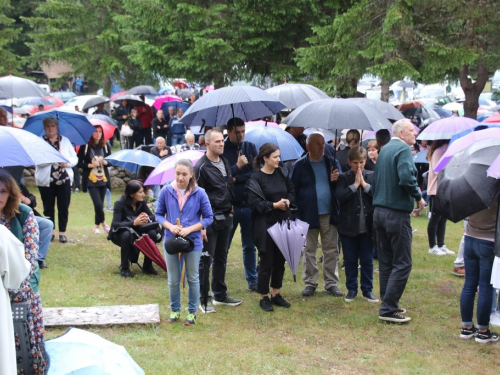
(231, 153)
(120, 111)
(343, 159)
(124, 215)
(304, 181)
(218, 188)
(85, 158)
(156, 152)
(159, 129)
(350, 204)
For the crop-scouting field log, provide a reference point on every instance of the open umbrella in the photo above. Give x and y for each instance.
(180, 83)
(73, 125)
(21, 148)
(493, 119)
(293, 95)
(385, 109)
(165, 171)
(463, 187)
(176, 105)
(217, 107)
(261, 122)
(290, 237)
(36, 100)
(79, 352)
(132, 160)
(209, 88)
(117, 95)
(443, 113)
(421, 157)
(411, 104)
(104, 118)
(185, 94)
(327, 134)
(143, 90)
(290, 149)
(17, 87)
(93, 102)
(133, 100)
(147, 246)
(166, 98)
(447, 127)
(494, 169)
(107, 129)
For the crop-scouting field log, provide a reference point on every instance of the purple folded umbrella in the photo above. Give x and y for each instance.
(464, 142)
(165, 171)
(446, 128)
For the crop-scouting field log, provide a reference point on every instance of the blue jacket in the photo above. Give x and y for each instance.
(197, 205)
(304, 182)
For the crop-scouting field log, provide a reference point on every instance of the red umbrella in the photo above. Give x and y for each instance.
(493, 119)
(107, 129)
(166, 98)
(412, 104)
(113, 98)
(180, 84)
(147, 246)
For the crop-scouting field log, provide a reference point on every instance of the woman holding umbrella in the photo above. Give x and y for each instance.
(95, 177)
(184, 200)
(54, 181)
(270, 193)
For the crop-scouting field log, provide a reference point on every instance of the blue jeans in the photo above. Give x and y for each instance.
(243, 216)
(178, 139)
(359, 248)
(46, 226)
(478, 261)
(192, 261)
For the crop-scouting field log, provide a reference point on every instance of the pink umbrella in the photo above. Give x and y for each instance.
(209, 88)
(165, 171)
(493, 119)
(262, 123)
(118, 94)
(166, 98)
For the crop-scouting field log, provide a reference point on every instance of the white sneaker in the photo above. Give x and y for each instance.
(436, 251)
(495, 319)
(446, 250)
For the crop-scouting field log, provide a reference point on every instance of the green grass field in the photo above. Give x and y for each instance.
(317, 335)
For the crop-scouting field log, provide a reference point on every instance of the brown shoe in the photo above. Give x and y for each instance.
(458, 271)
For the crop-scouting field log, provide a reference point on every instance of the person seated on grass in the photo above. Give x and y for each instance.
(355, 225)
(129, 214)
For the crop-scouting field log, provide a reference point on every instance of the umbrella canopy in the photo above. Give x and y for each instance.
(185, 94)
(217, 107)
(180, 83)
(17, 87)
(385, 109)
(132, 160)
(35, 100)
(22, 148)
(423, 113)
(293, 95)
(337, 114)
(79, 352)
(165, 171)
(262, 123)
(290, 237)
(108, 129)
(73, 125)
(493, 119)
(104, 118)
(327, 134)
(406, 84)
(133, 100)
(290, 149)
(117, 95)
(143, 90)
(166, 98)
(147, 246)
(443, 113)
(464, 142)
(447, 127)
(494, 169)
(93, 102)
(463, 187)
(176, 105)
(209, 88)
(421, 157)
(411, 104)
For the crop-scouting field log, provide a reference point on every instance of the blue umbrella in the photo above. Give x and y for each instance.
(132, 160)
(7, 108)
(73, 125)
(290, 149)
(175, 104)
(21, 148)
(217, 107)
(480, 126)
(421, 157)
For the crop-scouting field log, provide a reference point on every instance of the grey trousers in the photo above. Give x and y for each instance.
(394, 235)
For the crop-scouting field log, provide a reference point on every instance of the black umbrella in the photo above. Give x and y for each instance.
(463, 186)
(93, 102)
(133, 100)
(142, 90)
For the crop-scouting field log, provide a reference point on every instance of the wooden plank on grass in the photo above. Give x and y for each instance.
(101, 315)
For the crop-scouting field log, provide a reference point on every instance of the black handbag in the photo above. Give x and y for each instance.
(178, 244)
(219, 222)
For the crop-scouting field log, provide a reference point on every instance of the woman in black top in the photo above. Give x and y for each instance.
(160, 125)
(95, 177)
(135, 124)
(130, 212)
(270, 192)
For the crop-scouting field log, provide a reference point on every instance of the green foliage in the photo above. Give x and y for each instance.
(8, 34)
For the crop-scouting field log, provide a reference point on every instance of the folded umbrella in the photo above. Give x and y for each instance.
(108, 129)
(290, 149)
(143, 90)
(464, 187)
(446, 128)
(166, 98)
(94, 102)
(165, 170)
(293, 95)
(132, 160)
(148, 247)
(21, 148)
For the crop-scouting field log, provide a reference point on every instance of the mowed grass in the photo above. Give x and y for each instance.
(317, 335)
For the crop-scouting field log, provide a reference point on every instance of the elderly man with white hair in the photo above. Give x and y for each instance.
(161, 149)
(395, 189)
(190, 144)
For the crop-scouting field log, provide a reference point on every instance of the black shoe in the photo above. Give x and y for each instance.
(125, 272)
(63, 239)
(468, 333)
(252, 288)
(279, 301)
(350, 296)
(368, 296)
(334, 291)
(308, 291)
(394, 317)
(149, 270)
(266, 305)
(42, 264)
(485, 337)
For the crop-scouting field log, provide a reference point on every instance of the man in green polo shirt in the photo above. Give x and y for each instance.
(395, 190)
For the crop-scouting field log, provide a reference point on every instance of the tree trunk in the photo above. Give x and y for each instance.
(106, 86)
(473, 90)
(384, 94)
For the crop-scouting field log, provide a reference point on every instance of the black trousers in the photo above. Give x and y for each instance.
(97, 194)
(76, 177)
(147, 136)
(394, 255)
(271, 267)
(216, 248)
(436, 228)
(61, 193)
(128, 252)
(135, 140)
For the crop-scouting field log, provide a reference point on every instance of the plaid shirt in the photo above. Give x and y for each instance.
(186, 147)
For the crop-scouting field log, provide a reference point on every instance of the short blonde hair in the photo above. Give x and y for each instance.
(372, 144)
